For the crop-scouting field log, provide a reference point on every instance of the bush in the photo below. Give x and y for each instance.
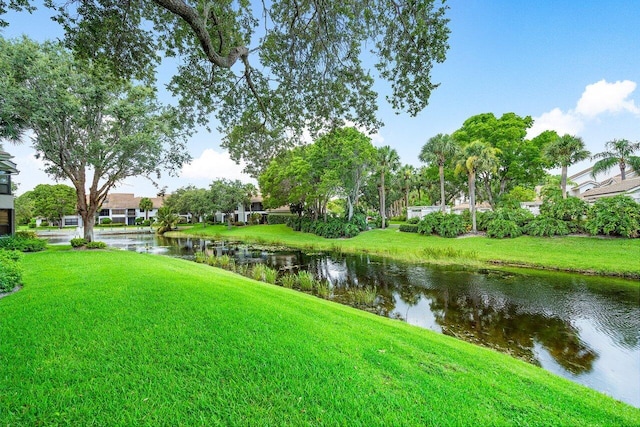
(146, 223)
(501, 228)
(414, 220)
(572, 210)
(452, 225)
(139, 220)
(518, 215)
(543, 225)
(409, 228)
(78, 242)
(359, 220)
(96, 245)
(255, 218)
(430, 223)
(10, 270)
(26, 234)
(615, 216)
(21, 244)
(32, 223)
(273, 219)
(105, 221)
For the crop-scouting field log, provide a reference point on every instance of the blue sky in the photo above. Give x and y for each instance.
(572, 65)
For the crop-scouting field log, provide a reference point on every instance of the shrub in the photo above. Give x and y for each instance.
(501, 228)
(518, 215)
(414, 220)
(409, 228)
(96, 245)
(16, 243)
(452, 225)
(10, 270)
(146, 223)
(572, 210)
(26, 234)
(139, 220)
(32, 223)
(255, 218)
(78, 242)
(618, 215)
(105, 221)
(270, 275)
(288, 280)
(359, 220)
(323, 288)
(546, 226)
(273, 219)
(430, 223)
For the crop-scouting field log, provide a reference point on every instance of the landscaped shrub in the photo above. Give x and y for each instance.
(501, 228)
(32, 223)
(273, 219)
(26, 234)
(10, 270)
(572, 210)
(106, 221)
(22, 244)
(452, 225)
(518, 215)
(96, 245)
(430, 223)
(78, 242)
(615, 216)
(414, 220)
(255, 218)
(359, 220)
(546, 226)
(409, 228)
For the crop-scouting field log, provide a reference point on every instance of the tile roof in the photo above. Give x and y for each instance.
(613, 189)
(128, 201)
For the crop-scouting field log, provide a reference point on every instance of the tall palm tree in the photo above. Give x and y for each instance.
(388, 161)
(565, 151)
(439, 149)
(618, 152)
(407, 177)
(476, 157)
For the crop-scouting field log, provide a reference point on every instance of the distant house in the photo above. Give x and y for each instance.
(614, 187)
(124, 208)
(7, 211)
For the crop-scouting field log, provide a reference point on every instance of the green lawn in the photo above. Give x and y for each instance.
(618, 257)
(119, 338)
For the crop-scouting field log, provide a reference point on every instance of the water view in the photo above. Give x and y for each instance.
(584, 328)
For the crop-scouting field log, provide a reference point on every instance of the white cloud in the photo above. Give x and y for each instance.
(562, 123)
(213, 165)
(598, 98)
(604, 97)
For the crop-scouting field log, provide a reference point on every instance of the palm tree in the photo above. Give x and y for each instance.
(618, 152)
(407, 176)
(388, 161)
(146, 205)
(566, 151)
(476, 157)
(438, 150)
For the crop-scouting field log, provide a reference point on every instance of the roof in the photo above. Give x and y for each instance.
(612, 189)
(6, 165)
(128, 201)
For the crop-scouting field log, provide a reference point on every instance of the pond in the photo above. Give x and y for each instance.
(586, 329)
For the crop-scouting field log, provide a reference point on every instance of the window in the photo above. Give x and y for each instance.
(118, 211)
(104, 212)
(71, 221)
(119, 220)
(5, 184)
(5, 222)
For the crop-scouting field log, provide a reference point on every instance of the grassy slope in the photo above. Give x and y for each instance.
(118, 338)
(580, 254)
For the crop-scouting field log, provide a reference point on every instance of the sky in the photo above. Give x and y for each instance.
(572, 65)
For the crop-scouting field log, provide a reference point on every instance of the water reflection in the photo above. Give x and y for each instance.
(584, 328)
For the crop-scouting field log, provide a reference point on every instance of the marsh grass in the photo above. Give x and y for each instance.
(117, 338)
(448, 252)
(323, 288)
(270, 275)
(288, 280)
(305, 280)
(363, 296)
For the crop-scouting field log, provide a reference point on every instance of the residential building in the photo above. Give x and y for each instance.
(7, 211)
(124, 208)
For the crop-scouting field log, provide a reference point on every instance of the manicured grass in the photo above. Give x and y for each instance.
(617, 257)
(119, 338)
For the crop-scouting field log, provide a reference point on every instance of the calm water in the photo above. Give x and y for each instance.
(583, 328)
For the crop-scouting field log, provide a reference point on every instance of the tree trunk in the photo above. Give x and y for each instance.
(563, 182)
(442, 201)
(472, 201)
(623, 168)
(350, 209)
(229, 221)
(383, 208)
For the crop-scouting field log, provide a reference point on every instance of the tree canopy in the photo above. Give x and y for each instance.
(88, 127)
(53, 202)
(267, 71)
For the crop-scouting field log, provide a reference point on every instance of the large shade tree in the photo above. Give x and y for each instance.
(565, 151)
(53, 202)
(267, 71)
(88, 126)
(619, 152)
(439, 150)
